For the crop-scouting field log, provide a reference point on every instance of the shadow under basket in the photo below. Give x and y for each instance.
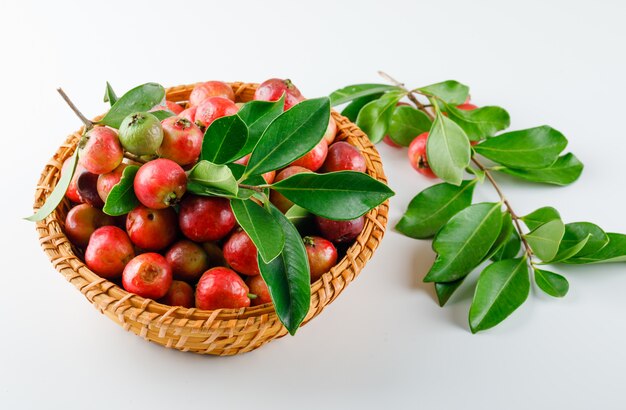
(217, 332)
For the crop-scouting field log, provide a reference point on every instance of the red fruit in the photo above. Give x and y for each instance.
(322, 255)
(147, 275)
(314, 159)
(179, 294)
(182, 140)
(417, 155)
(210, 89)
(152, 229)
(169, 106)
(258, 287)
(82, 220)
(87, 188)
(107, 181)
(387, 140)
(213, 108)
(221, 288)
(160, 183)
(101, 150)
(243, 160)
(108, 251)
(188, 260)
(203, 218)
(72, 189)
(268, 176)
(277, 198)
(344, 157)
(331, 131)
(340, 232)
(215, 254)
(189, 114)
(467, 106)
(241, 254)
(273, 89)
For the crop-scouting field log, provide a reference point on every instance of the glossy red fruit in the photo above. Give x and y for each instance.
(331, 132)
(213, 108)
(82, 220)
(152, 229)
(258, 287)
(279, 201)
(179, 294)
(221, 288)
(387, 140)
(314, 159)
(215, 254)
(417, 155)
(101, 150)
(210, 89)
(107, 181)
(169, 106)
(322, 255)
(147, 275)
(160, 183)
(340, 232)
(203, 218)
(273, 89)
(182, 140)
(72, 189)
(188, 260)
(87, 188)
(467, 107)
(189, 114)
(241, 253)
(344, 157)
(108, 251)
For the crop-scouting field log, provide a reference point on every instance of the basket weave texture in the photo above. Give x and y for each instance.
(217, 332)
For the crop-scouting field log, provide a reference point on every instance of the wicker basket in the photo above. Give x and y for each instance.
(218, 332)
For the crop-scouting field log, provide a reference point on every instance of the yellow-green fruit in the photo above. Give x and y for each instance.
(141, 133)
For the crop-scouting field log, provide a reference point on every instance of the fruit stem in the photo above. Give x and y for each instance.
(257, 188)
(134, 158)
(527, 250)
(252, 296)
(87, 122)
(409, 94)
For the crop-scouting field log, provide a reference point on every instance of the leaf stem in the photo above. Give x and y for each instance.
(409, 94)
(85, 120)
(257, 188)
(527, 250)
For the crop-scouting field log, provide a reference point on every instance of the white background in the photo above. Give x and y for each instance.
(384, 342)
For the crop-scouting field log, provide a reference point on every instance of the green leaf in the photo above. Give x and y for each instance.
(258, 115)
(510, 249)
(211, 175)
(540, 216)
(502, 287)
(224, 139)
(342, 195)
(121, 199)
(433, 207)
(566, 252)
(352, 92)
(533, 148)
(545, 239)
(445, 290)
(55, 198)
(139, 99)
(406, 124)
(580, 231)
(298, 215)
(109, 95)
(352, 110)
(450, 92)
(480, 123)
(551, 283)
(290, 136)
(506, 230)
(162, 114)
(448, 150)
(375, 116)
(464, 241)
(261, 226)
(288, 276)
(564, 171)
(612, 252)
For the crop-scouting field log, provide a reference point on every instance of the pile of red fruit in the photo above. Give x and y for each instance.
(175, 247)
(417, 148)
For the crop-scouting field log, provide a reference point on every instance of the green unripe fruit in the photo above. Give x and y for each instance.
(141, 133)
